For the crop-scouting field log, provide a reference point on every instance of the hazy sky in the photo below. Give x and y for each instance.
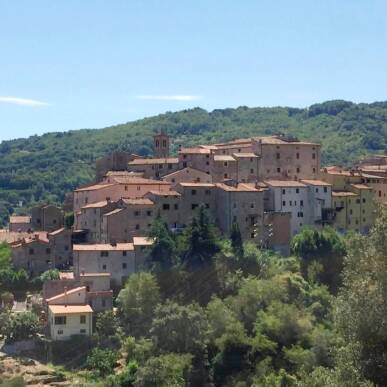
(70, 64)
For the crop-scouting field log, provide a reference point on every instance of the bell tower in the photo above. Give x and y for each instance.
(161, 145)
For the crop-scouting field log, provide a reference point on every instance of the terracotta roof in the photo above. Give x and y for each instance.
(95, 187)
(315, 182)
(197, 184)
(95, 275)
(361, 186)
(284, 183)
(19, 219)
(280, 141)
(142, 241)
(139, 181)
(66, 275)
(102, 204)
(56, 232)
(186, 170)
(223, 158)
(13, 236)
(166, 193)
(197, 150)
(241, 187)
(237, 141)
(118, 173)
(116, 211)
(138, 202)
(69, 292)
(334, 170)
(168, 160)
(234, 146)
(104, 247)
(343, 193)
(70, 309)
(247, 155)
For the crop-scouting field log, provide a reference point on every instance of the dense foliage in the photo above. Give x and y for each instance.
(239, 316)
(44, 168)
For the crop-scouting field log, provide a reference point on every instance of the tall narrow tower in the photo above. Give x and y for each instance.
(161, 145)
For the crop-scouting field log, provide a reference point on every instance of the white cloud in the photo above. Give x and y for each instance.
(170, 97)
(22, 101)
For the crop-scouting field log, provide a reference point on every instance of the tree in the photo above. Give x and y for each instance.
(102, 361)
(49, 275)
(179, 328)
(326, 248)
(202, 241)
(137, 302)
(107, 324)
(5, 257)
(361, 310)
(172, 370)
(164, 247)
(22, 326)
(236, 240)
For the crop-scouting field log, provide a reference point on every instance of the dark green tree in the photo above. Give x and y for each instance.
(236, 240)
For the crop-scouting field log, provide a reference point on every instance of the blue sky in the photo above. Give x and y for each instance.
(74, 64)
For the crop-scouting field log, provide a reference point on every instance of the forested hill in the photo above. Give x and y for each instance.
(43, 168)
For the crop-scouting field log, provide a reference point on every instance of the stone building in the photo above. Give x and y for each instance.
(47, 218)
(20, 223)
(161, 145)
(154, 168)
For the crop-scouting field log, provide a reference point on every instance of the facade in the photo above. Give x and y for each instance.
(47, 218)
(154, 168)
(120, 260)
(116, 161)
(20, 223)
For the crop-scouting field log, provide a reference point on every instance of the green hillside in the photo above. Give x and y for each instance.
(43, 168)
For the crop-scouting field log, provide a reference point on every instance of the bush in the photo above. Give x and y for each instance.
(102, 361)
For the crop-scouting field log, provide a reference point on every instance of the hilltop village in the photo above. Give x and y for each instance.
(271, 187)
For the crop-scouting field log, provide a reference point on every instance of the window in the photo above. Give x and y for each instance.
(48, 250)
(380, 194)
(301, 203)
(160, 166)
(350, 212)
(313, 156)
(104, 253)
(31, 251)
(358, 201)
(283, 192)
(325, 189)
(297, 156)
(137, 226)
(82, 319)
(278, 156)
(290, 203)
(169, 166)
(126, 188)
(364, 200)
(207, 205)
(278, 170)
(164, 143)
(252, 235)
(54, 221)
(193, 206)
(138, 188)
(252, 205)
(157, 143)
(149, 213)
(314, 170)
(60, 332)
(103, 303)
(234, 218)
(176, 206)
(136, 213)
(207, 192)
(166, 206)
(103, 267)
(298, 170)
(124, 265)
(225, 176)
(225, 164)
(124, 253)
(60, 320)
(184, 156)
(297, 190)
(251, 170)
(284, 203)
(316, 190)
(193, 192)
(207, 163)
(184, 164)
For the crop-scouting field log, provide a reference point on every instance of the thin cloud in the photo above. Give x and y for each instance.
(22, 101)
(170, 97)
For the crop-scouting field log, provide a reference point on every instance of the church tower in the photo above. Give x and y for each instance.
(161, 145)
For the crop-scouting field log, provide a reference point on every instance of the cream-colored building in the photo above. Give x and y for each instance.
(69, 314)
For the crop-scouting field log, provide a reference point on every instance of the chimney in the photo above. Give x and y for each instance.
(113, 243)
(36, 236)
(108, 199)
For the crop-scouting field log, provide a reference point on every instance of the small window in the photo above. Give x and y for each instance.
(297, 157)
(252, 235)
(364, 200)
(207, 192)
(193, 206)
(184, 164)
(278, 156)
(124, 265)
(278, 170)
(225, 164)
(124, 253)
(136, 213)
(60, 320)
(283, 192)
(138, 188)
(169, 166)
(251, 170)
(31, 252)
(48, 250)
(314, 170)
(60, 332)
(176, 206)
(104, 253)
(82, 320)
(103, 302)
(251, 205)
(325, 189)
(284, 203)
(193, 192)
(225, 176)
(298, 170)
(137, 226)
(316, 190)
(207, 205)
(103, 267)
(166, 206)
(297, 190)
(301, 203)
(313, 156)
